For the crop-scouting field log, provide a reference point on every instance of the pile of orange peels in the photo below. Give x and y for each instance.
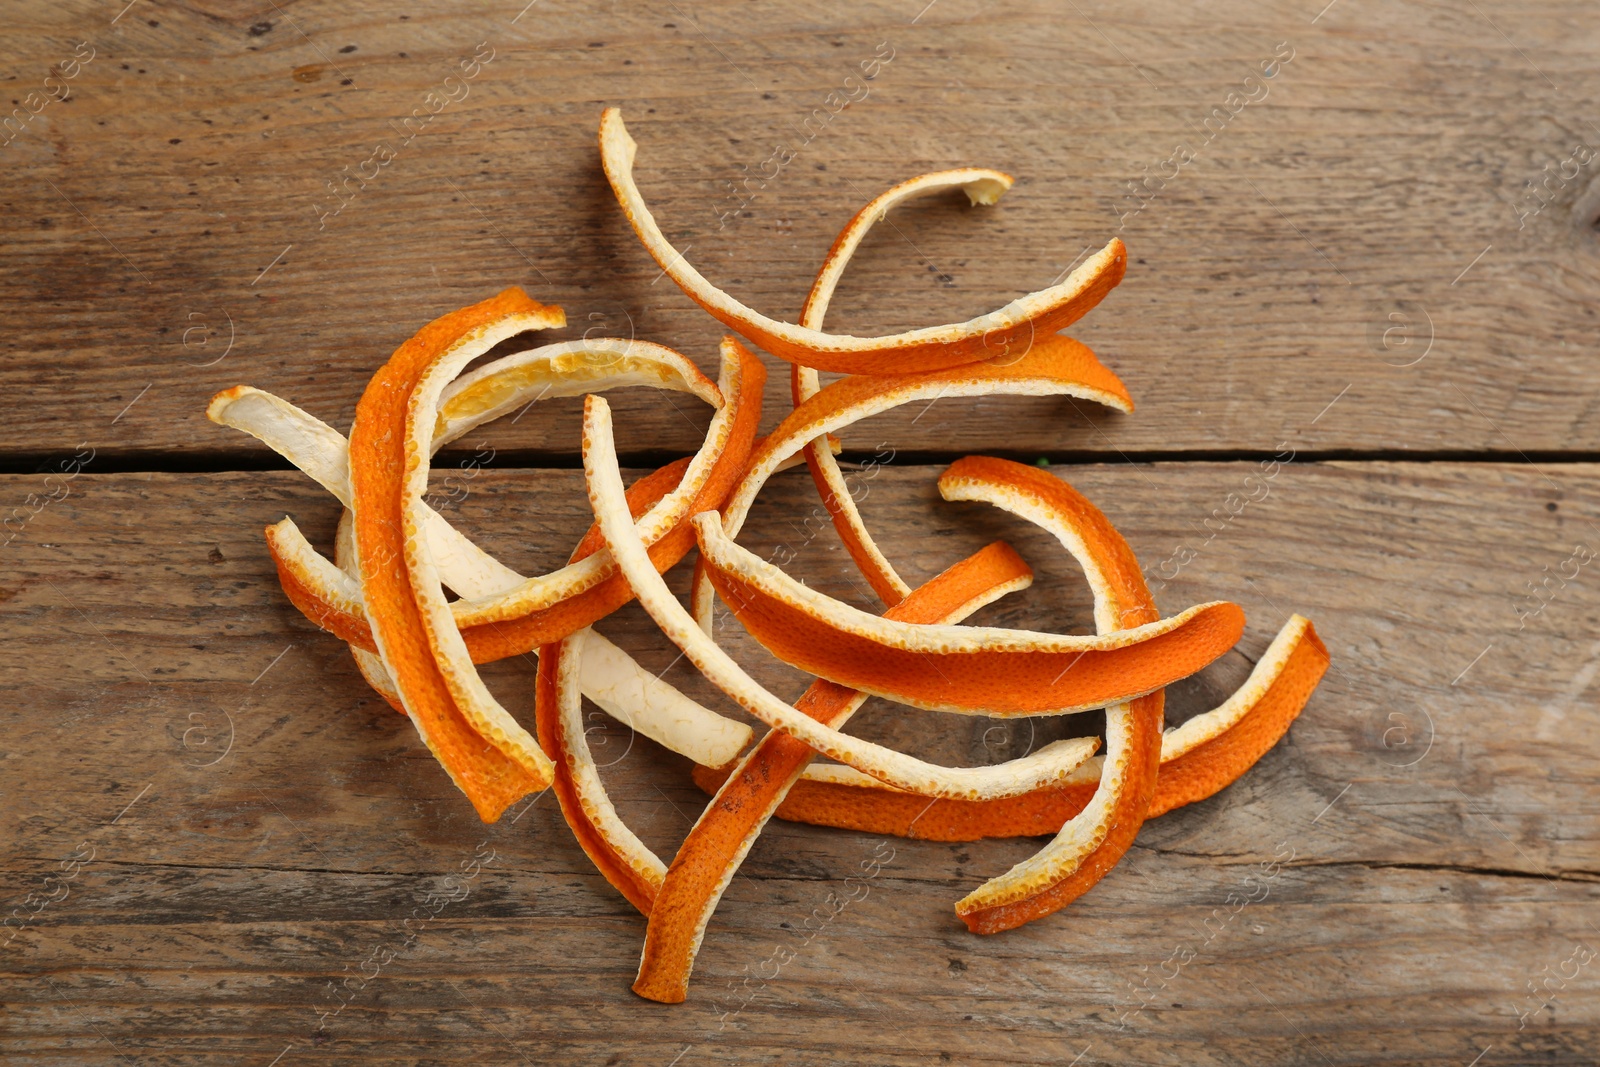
(384, 592)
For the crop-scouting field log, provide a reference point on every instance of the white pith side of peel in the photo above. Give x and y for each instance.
(617, 152)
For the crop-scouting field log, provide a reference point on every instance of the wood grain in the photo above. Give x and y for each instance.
(1370, 207)
(225, 833)
(263, 825)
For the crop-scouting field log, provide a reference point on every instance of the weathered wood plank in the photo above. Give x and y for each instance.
(169, 207)
(256, 836)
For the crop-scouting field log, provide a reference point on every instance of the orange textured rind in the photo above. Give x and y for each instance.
(492, 759)
(967, 669)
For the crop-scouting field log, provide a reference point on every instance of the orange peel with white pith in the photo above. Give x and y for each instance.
(1001, 331)
(981, 670)
(409, 615)
(616, 851)
(982, 187)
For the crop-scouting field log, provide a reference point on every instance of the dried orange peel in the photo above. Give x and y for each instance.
(969, 669)
(410, 617)
(385, 592)
(616, 851)
(1003, 330)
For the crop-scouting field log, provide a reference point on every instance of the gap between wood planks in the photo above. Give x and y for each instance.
(227, 461)
(1216, 860)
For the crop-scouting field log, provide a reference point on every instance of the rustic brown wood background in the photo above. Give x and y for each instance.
(1355, 266)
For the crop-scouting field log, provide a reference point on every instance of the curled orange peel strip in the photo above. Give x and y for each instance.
(615, 850)
(1006, 329)
(984, 670)
(1091, 842)
(491, 758)
(982, 187)
(1050, 764)
(716, 846)
(1211, 751)
(1054, 366)
(567, 368)
(1198, 760)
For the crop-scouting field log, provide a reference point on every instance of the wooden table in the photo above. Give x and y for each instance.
(1348, 260)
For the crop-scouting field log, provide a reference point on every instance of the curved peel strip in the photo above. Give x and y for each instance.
(719, 841)
(969, 669)
(567, 368)
(326, 595)
(488, 754)
(1211, 751)
(1198, 760)
(706, 480)
(295, 434)
(616, 851)
(1054, 366)
(1049, 764)
(1000, 332)
(1091, 842)
(982, 187)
